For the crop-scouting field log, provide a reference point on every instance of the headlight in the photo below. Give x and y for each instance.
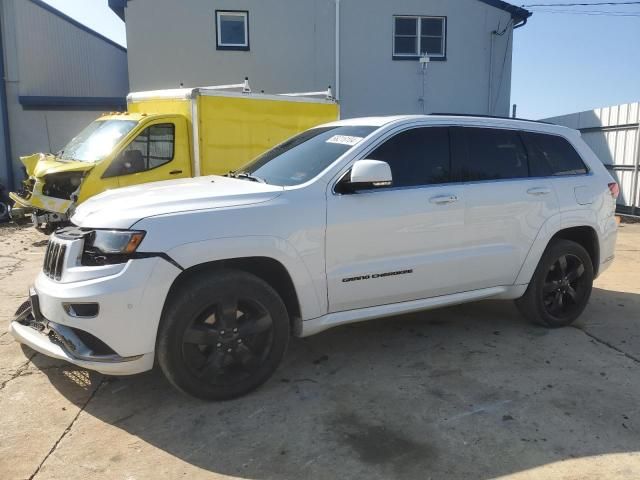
(108, 247)
(116, 241)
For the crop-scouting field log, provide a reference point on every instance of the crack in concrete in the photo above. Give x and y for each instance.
(610, 345)
(67, 430)
(14, 268)
(19, 371)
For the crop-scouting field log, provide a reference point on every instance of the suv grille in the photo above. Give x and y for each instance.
(54, 259)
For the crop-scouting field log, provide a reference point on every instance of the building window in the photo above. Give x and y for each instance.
(415, 36)
(232, 30)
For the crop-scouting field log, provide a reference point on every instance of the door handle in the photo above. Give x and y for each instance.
(538, 191)
(443, 199)
(175, 172)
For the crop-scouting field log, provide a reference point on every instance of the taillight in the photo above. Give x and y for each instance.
(615, 190)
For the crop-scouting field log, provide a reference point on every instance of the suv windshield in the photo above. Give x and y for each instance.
(304, 156)
(97, 140)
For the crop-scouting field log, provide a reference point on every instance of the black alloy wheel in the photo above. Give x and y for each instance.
(560, 287)
(563, 288)
(223, 333)
(229, 341)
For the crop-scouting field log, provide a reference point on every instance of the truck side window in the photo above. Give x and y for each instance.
(417, 157)
(156, 146)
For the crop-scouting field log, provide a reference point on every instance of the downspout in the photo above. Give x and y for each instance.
(337, 94)
(490, 99)
(5, 113)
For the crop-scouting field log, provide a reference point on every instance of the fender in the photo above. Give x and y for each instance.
(192, 254)
(554, 224)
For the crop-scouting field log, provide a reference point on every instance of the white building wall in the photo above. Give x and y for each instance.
(171, 43)
(374, 83)
(292, 48)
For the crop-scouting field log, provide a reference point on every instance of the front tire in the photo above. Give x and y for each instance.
(222, 335)
(561, 286)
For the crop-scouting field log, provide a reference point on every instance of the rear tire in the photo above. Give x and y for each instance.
(561, 286)
(222, 335)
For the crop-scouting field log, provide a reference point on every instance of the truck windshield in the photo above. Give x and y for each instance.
(97, 140)
(304, 156)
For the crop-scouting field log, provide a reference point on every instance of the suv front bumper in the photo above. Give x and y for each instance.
(60, 342)
(130, 306)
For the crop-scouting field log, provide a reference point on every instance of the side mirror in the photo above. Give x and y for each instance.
(366, 175)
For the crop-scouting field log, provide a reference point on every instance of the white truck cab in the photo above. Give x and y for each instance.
(349, 221)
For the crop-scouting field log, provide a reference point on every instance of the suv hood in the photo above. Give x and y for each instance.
(123, 207)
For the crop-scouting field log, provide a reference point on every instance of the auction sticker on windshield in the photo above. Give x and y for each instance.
(345, 140)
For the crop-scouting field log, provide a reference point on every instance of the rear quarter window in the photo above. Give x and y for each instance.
(552, 155)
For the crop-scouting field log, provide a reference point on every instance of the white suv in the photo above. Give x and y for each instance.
(346, 222)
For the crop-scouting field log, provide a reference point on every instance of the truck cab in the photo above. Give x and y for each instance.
(117, 150)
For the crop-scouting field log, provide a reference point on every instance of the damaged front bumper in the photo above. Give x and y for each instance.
(31, 328)
(37, 201)
(43, 210)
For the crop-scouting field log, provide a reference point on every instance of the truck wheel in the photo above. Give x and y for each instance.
(222, 335)
(560, 287)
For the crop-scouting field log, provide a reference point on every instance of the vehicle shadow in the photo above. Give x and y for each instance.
(466, 392)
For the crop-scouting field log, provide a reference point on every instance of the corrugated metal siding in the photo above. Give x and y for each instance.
(613, 133)
(57, 58)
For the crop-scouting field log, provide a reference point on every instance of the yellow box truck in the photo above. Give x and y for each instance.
(164, 135)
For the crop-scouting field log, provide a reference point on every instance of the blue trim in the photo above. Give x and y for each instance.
(42, 102)
(118, 7)
(75, 23)
(5, 118)
(518, 14)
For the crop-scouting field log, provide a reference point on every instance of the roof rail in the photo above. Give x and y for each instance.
(498, 117)
(328, 94)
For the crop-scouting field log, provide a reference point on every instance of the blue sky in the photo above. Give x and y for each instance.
(561, 62)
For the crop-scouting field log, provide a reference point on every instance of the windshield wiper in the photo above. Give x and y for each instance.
(246, 176)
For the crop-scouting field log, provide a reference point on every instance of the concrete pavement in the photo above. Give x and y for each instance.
(466, 392)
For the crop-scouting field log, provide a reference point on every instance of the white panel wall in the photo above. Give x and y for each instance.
(613, 133)
(293, 45)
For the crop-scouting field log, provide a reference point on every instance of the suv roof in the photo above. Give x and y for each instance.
(459, 119)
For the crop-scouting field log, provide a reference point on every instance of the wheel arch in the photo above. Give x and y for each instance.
(585, 236)
(576, 226)
(268, 269)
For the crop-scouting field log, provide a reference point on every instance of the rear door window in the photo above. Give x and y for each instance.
(419, 156)
(487, 154)
(551, 155)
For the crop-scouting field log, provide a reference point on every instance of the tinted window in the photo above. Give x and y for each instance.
(552, 155)
(304, 156)
(155, 145)
(487, 154)
(416, 157)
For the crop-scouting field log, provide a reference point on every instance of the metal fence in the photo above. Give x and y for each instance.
(613, 133)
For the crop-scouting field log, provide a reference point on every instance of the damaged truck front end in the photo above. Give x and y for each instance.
(56, 184)
(51, 190)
